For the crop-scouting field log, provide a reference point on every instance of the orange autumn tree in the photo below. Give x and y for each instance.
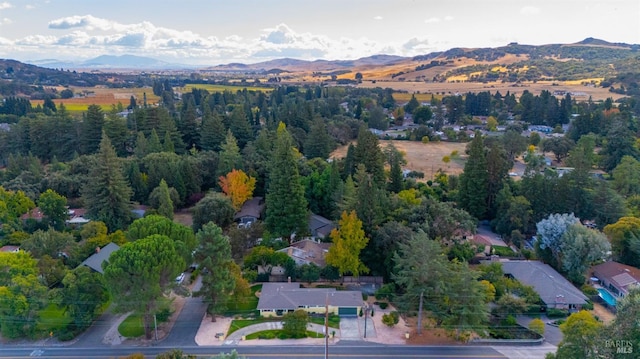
(238, 186)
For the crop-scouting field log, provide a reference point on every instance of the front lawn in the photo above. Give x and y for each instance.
(53, 319)
(334, 321)
(241, 323)
(132, 327)
(280, 334)
(246, 306)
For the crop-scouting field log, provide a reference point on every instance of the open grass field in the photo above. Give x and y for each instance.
(221, 88)
(426, 158)
(448, 88)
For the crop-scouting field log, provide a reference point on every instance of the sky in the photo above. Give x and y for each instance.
(211, 32)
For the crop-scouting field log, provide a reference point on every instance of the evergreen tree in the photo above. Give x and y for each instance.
(212, 134)
(162, 197)
(92, 129)
(188, 125)
(240, 126)
(318, 143)
(153, 144)
(368, 153)
(107, 195)
(474, 180)
(167, 144)
(230, 157)
(142, 146)
(286, 206)
(213, 254)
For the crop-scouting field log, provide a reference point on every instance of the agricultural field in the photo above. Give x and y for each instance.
(221, 88)
(103, 97)
(582, 92)
(425, 158)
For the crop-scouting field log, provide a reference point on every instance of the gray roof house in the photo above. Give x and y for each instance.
(319, 226)
(102, 254)
(277, 299)
(554, 290)
(308, 251)
(251, 211)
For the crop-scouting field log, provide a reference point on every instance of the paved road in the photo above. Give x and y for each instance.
(186, 327)
(357, 351)
(94, 336)
(552, 334)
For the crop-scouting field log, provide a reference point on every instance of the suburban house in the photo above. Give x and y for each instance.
(616, 278)
(10, 249)
(250, 212)
(76, 217)
(554, 290)
(34, 214)
(308, 251)
(277, 299)
(101, 255)
(320, 227)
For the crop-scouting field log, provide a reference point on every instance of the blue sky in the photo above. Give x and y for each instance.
(210, 32)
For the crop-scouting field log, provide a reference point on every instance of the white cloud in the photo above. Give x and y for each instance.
(29, 7)
(530, 10)
(378, 17)
(5, 5)
(5, 21)
(448, 18)
(432, 20)
(88, 36)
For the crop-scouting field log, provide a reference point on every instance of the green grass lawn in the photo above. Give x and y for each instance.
(274, 333)
(52, 319)
(241, 323)
(334, 321)
(247, 306)
(132, 327)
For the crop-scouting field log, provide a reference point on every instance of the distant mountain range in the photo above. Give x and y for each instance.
(133, 62)
(112, 62)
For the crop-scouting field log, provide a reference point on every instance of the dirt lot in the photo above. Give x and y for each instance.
(426, 158)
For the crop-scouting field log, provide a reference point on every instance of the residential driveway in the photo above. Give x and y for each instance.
(350, 329)
(485, 231)
(186, 326)
(552, 334)
(96, 335)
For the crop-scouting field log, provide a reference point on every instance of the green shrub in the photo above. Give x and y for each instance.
(365, 296)
(386, 291)
(588, 290)
(557, 313)
(588, 306)
(537, 325)
(283, 335)
(163, 315)
(502, 251)
(391, 319)
(383, 305)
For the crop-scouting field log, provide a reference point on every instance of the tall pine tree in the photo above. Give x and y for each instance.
(474, 181)
(286, 205)
(107, 195)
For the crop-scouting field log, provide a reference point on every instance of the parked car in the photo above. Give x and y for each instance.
(180, 278)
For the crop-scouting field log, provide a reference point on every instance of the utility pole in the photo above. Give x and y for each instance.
(420, 314)
(155, 324)
(326, 326)
(366, 315)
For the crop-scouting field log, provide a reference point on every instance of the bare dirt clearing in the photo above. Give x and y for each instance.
(421, 157)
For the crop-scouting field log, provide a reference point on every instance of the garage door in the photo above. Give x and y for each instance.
(348, 312)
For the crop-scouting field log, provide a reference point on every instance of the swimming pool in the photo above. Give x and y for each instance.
(607, 297)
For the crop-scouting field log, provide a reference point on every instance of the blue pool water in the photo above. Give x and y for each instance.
(604, 294)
